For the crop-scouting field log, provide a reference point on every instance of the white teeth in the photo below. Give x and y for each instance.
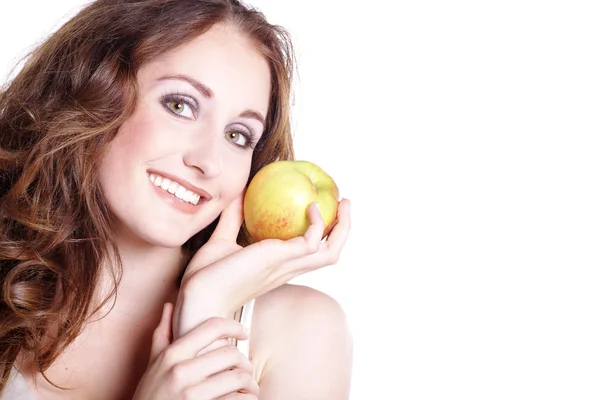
(180, 192)
(196, 199)
(174, 188)
(188, 196)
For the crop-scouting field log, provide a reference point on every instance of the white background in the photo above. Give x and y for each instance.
(466, 135)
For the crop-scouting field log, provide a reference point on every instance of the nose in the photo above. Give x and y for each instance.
(204, 154)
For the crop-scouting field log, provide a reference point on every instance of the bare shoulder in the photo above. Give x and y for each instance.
(302, 341)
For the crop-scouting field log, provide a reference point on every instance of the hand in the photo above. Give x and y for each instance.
(222, 276)
(175, 370)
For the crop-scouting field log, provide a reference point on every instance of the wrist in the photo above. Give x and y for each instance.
(194, 306)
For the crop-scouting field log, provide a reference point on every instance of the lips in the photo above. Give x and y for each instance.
(179, 188)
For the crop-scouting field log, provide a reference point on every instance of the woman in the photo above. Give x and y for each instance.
(126, 143)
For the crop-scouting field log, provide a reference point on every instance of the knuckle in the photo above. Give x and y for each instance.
(214, 323)
(229, 349)
(168, 356)
(241, 378)
(312, 247)
(215, 346)
(242, 361)
(189, 394)
(175, 375)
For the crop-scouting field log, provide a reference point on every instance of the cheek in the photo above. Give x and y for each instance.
(139, 135)
(120, 168)
(235, 174)
(127, 140)
(135, 140)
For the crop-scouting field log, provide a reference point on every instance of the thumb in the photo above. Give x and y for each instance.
(161, 337)
(230, 220)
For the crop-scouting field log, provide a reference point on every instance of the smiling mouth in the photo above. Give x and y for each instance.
(175, 189)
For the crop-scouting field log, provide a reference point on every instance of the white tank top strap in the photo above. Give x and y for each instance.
(17, 388)
(244, 316)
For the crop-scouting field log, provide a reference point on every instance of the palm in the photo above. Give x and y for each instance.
(216, 248)
(222, 275)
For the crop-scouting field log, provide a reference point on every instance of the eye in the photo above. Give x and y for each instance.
(180, 108)
(180, 105)
(237, 137)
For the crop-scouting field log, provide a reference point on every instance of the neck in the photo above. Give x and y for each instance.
(150, 274)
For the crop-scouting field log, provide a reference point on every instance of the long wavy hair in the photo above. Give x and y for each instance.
(56, 118)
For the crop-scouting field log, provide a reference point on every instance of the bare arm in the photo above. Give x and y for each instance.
(307, 343)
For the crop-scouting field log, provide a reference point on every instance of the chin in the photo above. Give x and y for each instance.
(159, 236)
(169, 242)
(163, 240)
(165, 231)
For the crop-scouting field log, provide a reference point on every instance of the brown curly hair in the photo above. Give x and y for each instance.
(56, 118)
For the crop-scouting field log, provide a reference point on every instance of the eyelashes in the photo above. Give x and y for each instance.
(249, 138)
(182, 100)
(176, 103)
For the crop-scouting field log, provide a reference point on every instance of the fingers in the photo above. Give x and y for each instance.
(225, 383)
(301, 245)
(219, 360)
(214, 345)
(239, 396)
(339, 235)
(202, 336)
(328, 252)
(162, 334)
(281, 252)
(310, 242)
(314, 233)
(230, 220)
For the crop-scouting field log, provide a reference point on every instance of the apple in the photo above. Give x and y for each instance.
(278, 197)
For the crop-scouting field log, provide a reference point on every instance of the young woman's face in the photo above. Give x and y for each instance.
(186, 152)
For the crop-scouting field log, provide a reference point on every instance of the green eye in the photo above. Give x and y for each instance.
(236, 137)
(233, 136)
(176, 106)
(180, 106)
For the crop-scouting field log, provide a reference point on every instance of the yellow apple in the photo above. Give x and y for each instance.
(278, 197)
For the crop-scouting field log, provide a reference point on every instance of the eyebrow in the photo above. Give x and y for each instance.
(202, 88)
(208, 93)
(255, 115)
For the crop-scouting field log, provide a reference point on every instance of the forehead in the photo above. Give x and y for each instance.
(223, 59)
